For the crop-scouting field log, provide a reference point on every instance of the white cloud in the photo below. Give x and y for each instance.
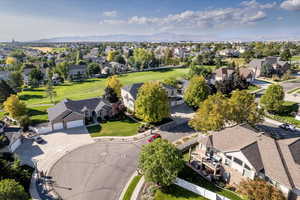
(111, 13)
(249, 12)
(291, 5)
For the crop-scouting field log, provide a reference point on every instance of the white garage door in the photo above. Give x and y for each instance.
(58, 126)
(15, 145)
(73, 124)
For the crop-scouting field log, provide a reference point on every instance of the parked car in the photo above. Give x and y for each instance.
(287, 126)
(154, 137)
(39, 140)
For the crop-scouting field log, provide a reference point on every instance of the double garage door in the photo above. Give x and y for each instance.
(71, 124)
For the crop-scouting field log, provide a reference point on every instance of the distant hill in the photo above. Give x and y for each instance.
(160, 37)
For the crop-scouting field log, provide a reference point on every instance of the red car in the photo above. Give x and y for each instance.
(153, 137)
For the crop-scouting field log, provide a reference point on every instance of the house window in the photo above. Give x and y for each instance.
(247, 167)
(238, 161)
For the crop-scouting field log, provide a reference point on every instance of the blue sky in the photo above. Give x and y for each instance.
(210, 19)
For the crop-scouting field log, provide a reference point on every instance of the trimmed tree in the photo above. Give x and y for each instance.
(273, 98)
(14, 107)
(211, 115)
(196, 92)
(259, 190)
(114, 83)
(152, 103)
(243, 108)
(160, 162)
(12, 190)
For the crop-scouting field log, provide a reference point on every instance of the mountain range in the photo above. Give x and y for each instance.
(160, 37)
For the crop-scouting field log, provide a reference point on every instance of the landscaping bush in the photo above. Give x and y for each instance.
(4, 141)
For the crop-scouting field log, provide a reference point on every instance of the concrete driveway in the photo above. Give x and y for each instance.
(57, 144)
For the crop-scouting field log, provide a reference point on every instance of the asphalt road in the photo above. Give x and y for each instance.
(101, 170)
(96, 171)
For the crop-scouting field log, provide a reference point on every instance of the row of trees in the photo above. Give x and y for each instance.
(217, 111)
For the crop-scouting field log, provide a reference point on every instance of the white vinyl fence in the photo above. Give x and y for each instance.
(199, 190)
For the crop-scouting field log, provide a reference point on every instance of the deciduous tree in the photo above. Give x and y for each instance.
(273, 98)
(160, 162)
(12, 190)
(152, 103)
(114, 83)
(110, 95)
(14, 107)
(5, 91)
(259, 190)
(15, 80)
(196, 92)
(211, 115)
(243, 108)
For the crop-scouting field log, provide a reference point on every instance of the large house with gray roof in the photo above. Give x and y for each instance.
(279, 66)
(69, 113)
(240, 152)
(129, 95)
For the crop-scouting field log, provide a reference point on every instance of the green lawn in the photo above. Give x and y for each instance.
(131, 187)
(174, 192)
(295, 58)
(190, 175)
(252, 88)
(125, 127)
(38, 114)
(1, 114)
(94, 87)
(286, 117)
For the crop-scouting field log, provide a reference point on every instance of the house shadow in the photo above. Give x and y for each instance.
(277, 132)
(27, 151)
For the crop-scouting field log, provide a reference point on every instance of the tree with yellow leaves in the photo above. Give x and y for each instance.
(10, 60)
(14, 107)
(111, 55)
(114, 83)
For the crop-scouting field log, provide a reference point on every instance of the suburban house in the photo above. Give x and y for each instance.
(241, 152)
(69, 113)
(279, 66)
(77, 72)
(26, 73)
(226, 73)
(14, 136)
(129, 94)
(4, 75)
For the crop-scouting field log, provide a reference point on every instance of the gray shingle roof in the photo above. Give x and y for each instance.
(133, 89)
(65, 107)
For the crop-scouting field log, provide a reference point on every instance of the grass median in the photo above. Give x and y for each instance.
(131, 187)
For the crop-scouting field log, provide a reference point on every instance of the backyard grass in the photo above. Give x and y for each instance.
(295, 58)
(38, 114)
(125, 127)
(94, 87)
(174, 192)
(190, 175)
(131, 187)
(252, 88)
(286, 116)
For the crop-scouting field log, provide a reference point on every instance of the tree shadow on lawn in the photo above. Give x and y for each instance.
(26, 97)
(33, 112)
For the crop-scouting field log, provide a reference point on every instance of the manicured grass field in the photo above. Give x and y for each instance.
(131, 187)
(174, 192)
(94, 87)
(125, 127)
(295, 58)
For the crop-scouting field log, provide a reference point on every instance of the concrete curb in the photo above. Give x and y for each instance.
(127, 185)
(137, 189)
(133, 138)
